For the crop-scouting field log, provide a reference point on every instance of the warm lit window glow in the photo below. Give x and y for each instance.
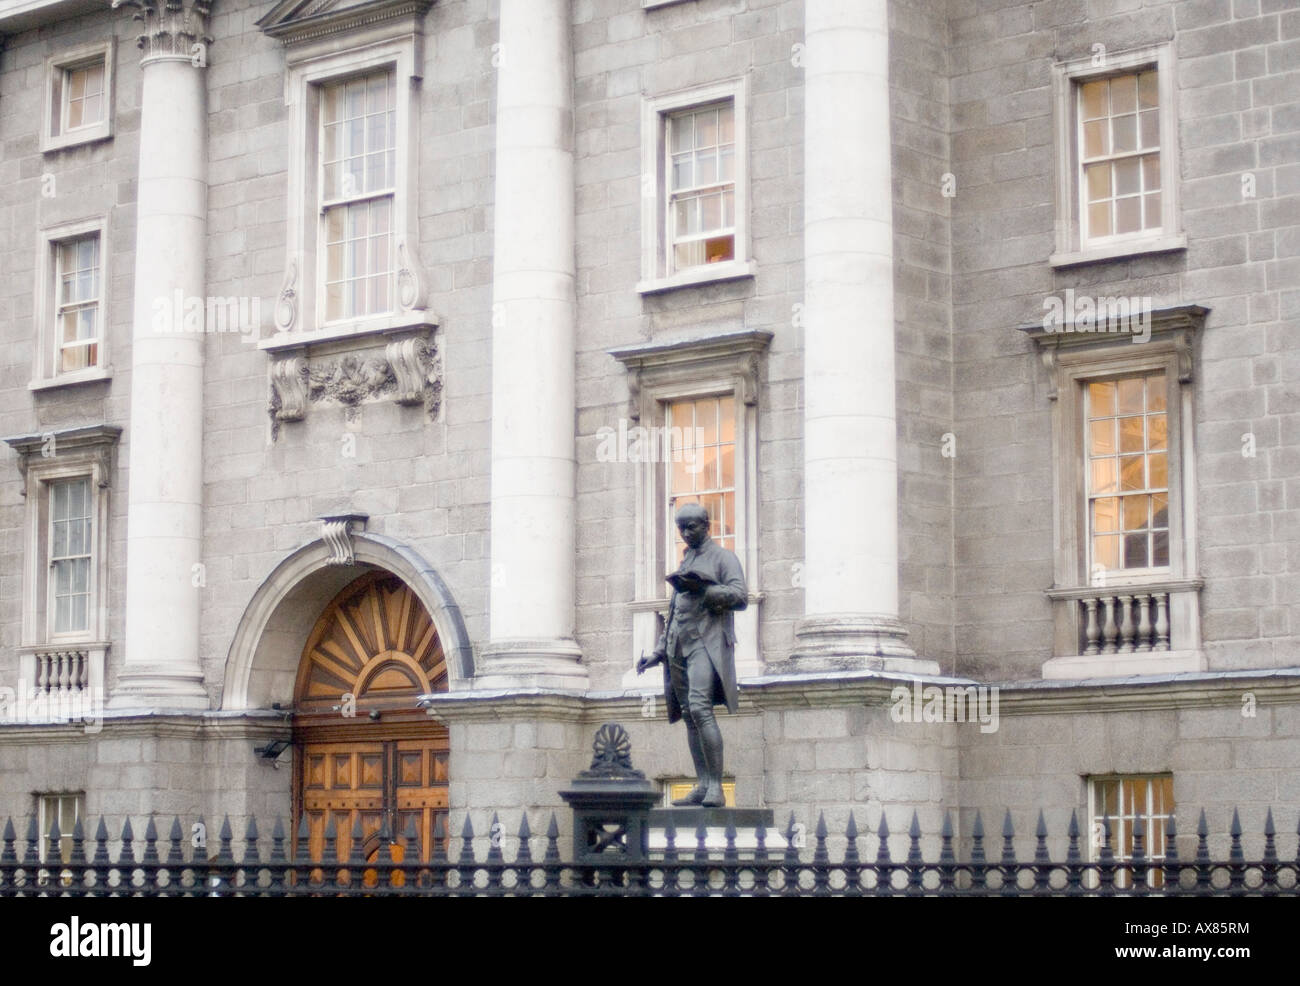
(1121, 801)
(702, 465)
(1119, 141)
(1128, 473)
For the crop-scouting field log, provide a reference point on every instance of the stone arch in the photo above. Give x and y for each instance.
(262, 664)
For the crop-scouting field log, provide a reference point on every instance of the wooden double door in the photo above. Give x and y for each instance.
(390, 786)
(364, 752)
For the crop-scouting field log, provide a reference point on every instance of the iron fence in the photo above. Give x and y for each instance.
(689, 866)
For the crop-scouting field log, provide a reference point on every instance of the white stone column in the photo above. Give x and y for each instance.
(165, 480)
(850, 433)
(531, 611)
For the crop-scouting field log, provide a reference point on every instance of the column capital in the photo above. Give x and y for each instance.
(176, 28)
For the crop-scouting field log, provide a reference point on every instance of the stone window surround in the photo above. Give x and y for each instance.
(42, 458)
(311, 64)
(1066, 79)
(45, 372)
(655, 276)
(722, 363)
(62, 62)
(1072, 358)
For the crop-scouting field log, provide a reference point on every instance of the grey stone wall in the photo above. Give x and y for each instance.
(1236, 100)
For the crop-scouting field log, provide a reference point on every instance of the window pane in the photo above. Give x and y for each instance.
(1123, 94)
(1105, 551)
(1160, 549)
(1160, 510)
(1159, 471)
(1156, 428)
(1098, 181)
(1128, 215)
(1099, 219)
(1151, 172)
(1130, 391)
(1135, 551)
(1135, 512)
(1130, 434)
(1103, 476)
(1156, 392)
(1101, 398)
(1125, 133)
(1095, 139)
(1105, 514)
(1131, 473)
(1150, 128)
(1153, 219)
(1094, 99)
(1102, 440)
(1126, 176)
(1148, 90)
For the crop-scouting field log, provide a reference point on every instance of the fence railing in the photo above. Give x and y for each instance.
(687, 866)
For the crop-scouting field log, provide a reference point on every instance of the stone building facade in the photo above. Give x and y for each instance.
(355, 354)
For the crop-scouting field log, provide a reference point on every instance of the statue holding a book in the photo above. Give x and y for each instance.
(697, 648)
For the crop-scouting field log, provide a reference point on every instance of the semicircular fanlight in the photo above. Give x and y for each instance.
(376, 641)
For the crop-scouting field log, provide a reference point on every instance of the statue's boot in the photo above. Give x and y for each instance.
(701, 789)
(711, 747)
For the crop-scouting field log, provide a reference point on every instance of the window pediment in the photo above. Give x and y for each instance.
(298, 22)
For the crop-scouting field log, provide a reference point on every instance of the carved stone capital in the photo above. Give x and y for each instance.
(286, 306)
(172, 27)
(336, 532)
(410, 285)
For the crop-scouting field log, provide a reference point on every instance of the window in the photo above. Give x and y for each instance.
(359, 167)
(1116, 157)
(67, 475)
(71, 310)
(1122, 801)
(691, 435)
(702, 186)
(351, 267)
(701, 467)
(695, 214)
(70, 538)
(79, 97)
(1125, 598)
(77, 289)
(66, 809)
(1127, 444)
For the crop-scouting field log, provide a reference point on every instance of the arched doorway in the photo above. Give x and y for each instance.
(364, 753)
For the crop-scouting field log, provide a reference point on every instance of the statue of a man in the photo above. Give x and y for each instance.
(697, 648)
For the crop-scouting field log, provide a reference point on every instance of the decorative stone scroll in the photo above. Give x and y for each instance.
(336, 532)
(408, 371)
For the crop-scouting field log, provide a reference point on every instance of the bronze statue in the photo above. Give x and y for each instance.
(697, 648)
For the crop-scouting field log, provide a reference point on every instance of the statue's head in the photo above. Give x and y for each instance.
(693, 524)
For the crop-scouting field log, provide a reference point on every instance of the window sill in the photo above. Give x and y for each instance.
(90, 135)
(380, 325)
(1114, 251)
(731, 270)
(93, 375)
